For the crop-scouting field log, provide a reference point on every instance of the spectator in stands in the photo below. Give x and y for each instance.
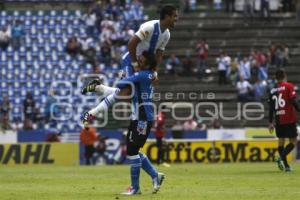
(244, 89)
(90, 21)
(38, 119)
(249, 9)
(200, 124)
(186, 6)
(282, 55)
(106, 53)
(5, 125)
(18, 34)
(286, 53)
(5, 37)
(202, 51)
(137, 12)
(221, 62)
(217, 4)
(87, 50)
(230, 5)
(190, 125)
(187, 65)
(259, 89)
(272, 54)
(190, 5)
(233, 71)
(216, 124)
(171, 64)
(245, 69)
(287, 5)
(88, 137)
(49, 110)
(27, 124)
(5, 107)
(28, 106)
(265, 9)
(227, 60)
(260, 58)
(73, 46)
(97, 8)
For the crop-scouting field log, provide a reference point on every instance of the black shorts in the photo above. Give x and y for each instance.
(137, 135)
(286, 130)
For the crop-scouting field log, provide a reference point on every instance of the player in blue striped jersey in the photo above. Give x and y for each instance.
(152, 37)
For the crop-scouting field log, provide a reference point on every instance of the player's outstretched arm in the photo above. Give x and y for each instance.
(134, 41)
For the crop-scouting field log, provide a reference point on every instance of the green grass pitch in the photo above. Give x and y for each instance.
(183, 181)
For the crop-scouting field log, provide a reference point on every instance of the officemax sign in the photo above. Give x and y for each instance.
(39, 153)
(216, 151)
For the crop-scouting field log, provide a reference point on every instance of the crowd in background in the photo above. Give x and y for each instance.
(109, 24)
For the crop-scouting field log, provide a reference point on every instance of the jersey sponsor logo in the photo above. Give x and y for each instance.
(280, 112)
(141, 127)
(282, 88)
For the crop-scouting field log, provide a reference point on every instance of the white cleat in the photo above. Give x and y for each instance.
(157, 182)
(131, 191)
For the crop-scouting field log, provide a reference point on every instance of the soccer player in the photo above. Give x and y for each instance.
(283, 105)
(141, 123)
(153, 37)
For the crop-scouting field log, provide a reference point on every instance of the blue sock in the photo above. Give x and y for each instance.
(135, 162)
(147, 166)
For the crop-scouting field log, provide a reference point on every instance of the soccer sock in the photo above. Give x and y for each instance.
(288, 149)
(147, 166)
(104, 104)
(105, 90)
(280, 151)
(135, 166)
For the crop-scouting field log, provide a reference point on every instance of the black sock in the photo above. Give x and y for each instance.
(280, 151)
(288, 149)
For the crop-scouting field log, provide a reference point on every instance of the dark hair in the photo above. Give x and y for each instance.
(280, 74)
(150, 59)
(167, 10)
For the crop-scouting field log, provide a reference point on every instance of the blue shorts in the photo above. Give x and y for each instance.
(126, 65)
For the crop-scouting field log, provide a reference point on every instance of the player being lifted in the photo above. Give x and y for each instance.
(153, 37)
(283, 105)
(141, 123)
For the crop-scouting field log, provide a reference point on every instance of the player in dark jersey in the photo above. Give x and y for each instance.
(283, 105)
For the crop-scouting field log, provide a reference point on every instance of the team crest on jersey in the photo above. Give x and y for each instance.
(141, 127)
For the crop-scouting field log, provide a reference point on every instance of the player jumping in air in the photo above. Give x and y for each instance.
(283, 105)
(153, 37)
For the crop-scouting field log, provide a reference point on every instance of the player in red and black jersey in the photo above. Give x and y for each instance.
(283, 105)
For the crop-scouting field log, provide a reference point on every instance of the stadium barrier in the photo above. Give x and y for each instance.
(39, 154)
(8, 137)
(192, 151)
(222, 145)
